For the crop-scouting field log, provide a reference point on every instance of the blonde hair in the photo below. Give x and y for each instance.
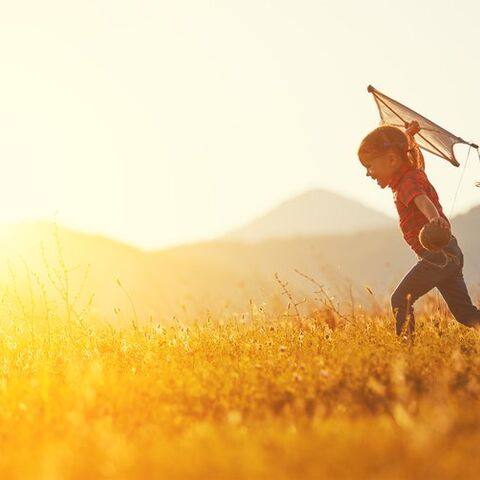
(386, 138)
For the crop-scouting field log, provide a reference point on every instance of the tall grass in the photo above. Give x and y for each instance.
(261, 396)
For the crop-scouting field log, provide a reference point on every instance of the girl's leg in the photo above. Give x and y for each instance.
(424, 276)
(417, 282)
(455, 293)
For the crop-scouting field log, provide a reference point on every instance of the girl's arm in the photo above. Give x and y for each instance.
(426, 206)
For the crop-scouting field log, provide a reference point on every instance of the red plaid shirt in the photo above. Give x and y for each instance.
(406, 184)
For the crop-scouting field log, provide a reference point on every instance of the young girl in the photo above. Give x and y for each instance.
(392, 158)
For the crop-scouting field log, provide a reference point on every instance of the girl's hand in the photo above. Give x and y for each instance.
(412, 128)
(440, 221)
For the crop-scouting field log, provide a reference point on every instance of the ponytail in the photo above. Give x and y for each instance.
(415, 155)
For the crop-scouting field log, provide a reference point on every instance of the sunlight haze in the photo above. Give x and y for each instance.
(159, 123)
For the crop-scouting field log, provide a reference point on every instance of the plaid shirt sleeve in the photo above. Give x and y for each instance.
(412, 185)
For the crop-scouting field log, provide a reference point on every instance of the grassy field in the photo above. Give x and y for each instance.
(259, 396)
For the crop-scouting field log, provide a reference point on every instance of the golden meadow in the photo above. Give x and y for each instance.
(292, 392)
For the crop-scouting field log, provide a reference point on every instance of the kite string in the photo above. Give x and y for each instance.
(477, 184)
(460, 181)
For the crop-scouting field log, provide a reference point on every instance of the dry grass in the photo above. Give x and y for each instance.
(253, 398)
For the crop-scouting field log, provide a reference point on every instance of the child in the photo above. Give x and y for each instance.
(392, 158)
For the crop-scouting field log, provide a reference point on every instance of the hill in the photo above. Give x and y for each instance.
(313, 213)
(210, 278)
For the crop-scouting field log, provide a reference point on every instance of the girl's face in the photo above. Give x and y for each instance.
(381, 168)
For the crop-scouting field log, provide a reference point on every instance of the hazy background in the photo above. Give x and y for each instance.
(159, 123)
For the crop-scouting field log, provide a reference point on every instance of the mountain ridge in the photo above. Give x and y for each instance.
(314, 212)
(221, 277)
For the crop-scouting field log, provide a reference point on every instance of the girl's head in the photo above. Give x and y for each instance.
(384, 140)
(386, 149)
(382, 152)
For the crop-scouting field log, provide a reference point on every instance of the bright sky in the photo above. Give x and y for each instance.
(163, 122)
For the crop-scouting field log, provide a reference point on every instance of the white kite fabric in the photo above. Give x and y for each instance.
(431, 137)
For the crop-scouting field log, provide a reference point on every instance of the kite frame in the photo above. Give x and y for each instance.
(377, 96)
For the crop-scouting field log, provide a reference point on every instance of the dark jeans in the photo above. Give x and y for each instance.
(436, 269)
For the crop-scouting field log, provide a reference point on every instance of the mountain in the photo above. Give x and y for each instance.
(316, 212)
(216, 278)
(43, 264)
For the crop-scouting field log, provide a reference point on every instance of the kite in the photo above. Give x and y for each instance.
(428, 135)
